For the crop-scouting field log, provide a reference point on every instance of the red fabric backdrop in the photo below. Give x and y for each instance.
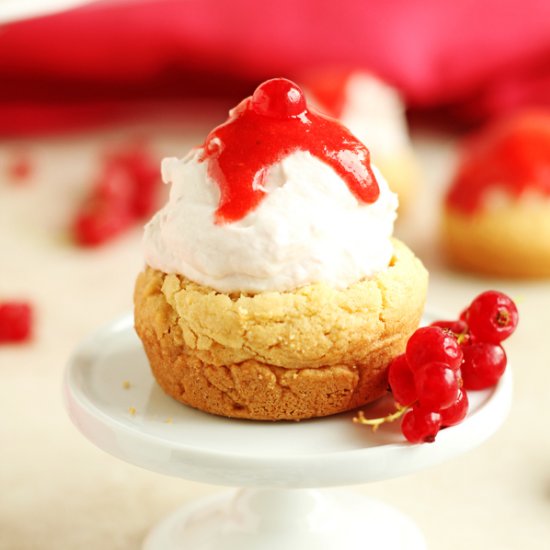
(470, 59)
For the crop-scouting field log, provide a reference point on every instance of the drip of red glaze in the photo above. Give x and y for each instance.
(268, 126)
(511, 155)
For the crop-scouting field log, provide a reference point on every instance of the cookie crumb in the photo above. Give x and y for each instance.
(132, 410)
(168, 420)
(126, 384)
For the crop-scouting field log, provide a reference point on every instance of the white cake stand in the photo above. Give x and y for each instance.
(114, 401)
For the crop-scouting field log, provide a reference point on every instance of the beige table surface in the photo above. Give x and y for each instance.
(57, 491)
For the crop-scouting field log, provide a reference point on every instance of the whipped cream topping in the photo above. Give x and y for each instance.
(309, 228)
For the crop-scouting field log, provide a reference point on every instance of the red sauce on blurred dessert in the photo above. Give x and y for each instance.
(329, 90)
(513, 155)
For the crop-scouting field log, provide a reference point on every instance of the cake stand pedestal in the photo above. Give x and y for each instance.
(281, 467)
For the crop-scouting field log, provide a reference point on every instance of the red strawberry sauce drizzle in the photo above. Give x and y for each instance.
(268, 126)
(511, 155)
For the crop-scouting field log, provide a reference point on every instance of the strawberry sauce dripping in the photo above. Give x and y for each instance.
(513, 155)
(268, 126)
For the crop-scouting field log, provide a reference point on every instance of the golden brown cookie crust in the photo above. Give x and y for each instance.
(511, 240)
(312, 352)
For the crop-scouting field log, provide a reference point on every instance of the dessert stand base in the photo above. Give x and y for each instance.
(114, 401)
(276, 519)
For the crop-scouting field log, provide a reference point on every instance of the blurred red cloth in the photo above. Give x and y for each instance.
(472, 59)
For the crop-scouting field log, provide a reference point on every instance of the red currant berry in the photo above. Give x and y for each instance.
(420, 425)
(492, 317)
(458, 328)
(115, 186)
(464, 315)
(401, 380)
(21, 166)
(455, 413)
(484, 364)
(278, 98)
(436, 385)
(429, 344)
(15, 322)
(141, 169)
(100, 221)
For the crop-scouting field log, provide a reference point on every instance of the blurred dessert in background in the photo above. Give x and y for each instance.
(496, 217)
(273, 287)
(375, 113)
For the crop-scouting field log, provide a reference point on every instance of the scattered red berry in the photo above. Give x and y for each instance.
(492, 317)
(126, 191)
(278, 98)
(20, 166)
(15, 322)
(142, 169)
(420, 425)
(455, 413)
(429, 344)
(100, 221)
(115, 186)
(484, 364)
(401, 381)
(436, 385)
(108, 211)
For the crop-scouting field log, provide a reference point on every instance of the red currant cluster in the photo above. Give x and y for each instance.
(126, 191)
(444, 360)
(15, 322)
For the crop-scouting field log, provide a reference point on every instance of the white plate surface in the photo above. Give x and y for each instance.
(142, 425)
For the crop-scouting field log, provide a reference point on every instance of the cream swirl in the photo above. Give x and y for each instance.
(308, 228)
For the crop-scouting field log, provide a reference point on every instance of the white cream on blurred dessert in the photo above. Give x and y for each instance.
(375, 113)
(308, 228)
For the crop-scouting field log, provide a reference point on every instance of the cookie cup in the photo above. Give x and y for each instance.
(511, 240)
(311, 352)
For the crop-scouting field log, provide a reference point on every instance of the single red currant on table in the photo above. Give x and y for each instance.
(443, 362)
(15, 322)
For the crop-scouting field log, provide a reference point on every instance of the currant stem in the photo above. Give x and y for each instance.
(375, 423)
